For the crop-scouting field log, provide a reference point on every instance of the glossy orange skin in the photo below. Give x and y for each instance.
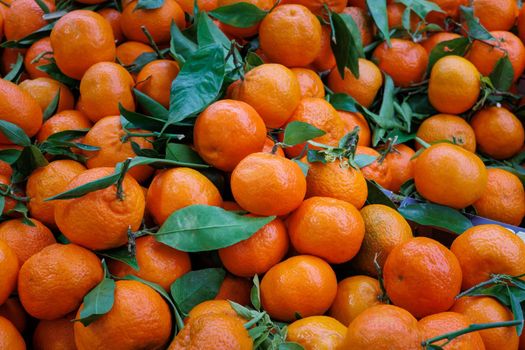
(19, 107)
(488, 249)
(364, 22)
(377, 171)
(303, 284)
(55, 334)
(107, 134)
(485, 57)
(221, 123)
(273, 91)
(136, 307)
(10, 338)
(113, 17)
(237, 32)
(441, 127)
(81, 39)
(157, 21)
(317, 332)
(406, 62)
(24, 17)
(503, 199)
(65, 120)
(44, 90)
(310, 83)
(450, 175)
(417, 266)
(383, 327)
(401, 166)
(454, 85)
(487, 310)
(364, 89)
(266, 184)
(329, 228)
(325, 59)
(236, 289)
(176, 188)
(438, 38)
(158, 263)
(353, 119)
(36, 49)
(54, 281)
(446, 322)
(103, 87)
(129, 51)
(499, 133)
(25, 240)
(9, 270)
(290, 35)
(496, 14)
(257, 254)
(155, 80)
(317, 7)
(99, 220)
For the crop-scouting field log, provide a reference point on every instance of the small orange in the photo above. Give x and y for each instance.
(364, 89)
(129, 51)
(454, 85)
(354, 295)
(9, 267)
(15, 313)
(290, 35)
(304, 285)
(318, 6)
(379, 170)
(219, 125)
(418, 266)
(236, 289)
(317, 332)
(176, 188)
(310, 83)
(499, 133)
(353, 119)
(266, 184)
(156, 21)
(155, 79)
(237, 32)
(447, 127)
(329, 228)
(503, 199)
(496, 14)
(450, 175)
(325, 59)
(55, 334)
(25, 240)
(10, 338)
(401, 166)
(24, 17)
(38, 54)
(65, 120)
(44, 90)
(437, 38)
(113, 17)
(405, 61)
(364, 23)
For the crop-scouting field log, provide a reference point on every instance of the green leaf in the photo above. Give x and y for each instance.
(55, 73)
(475, 28)
(195, 287)
(208, 33)
(17, 69)
(198, 228)
(121, 254)
(255, 293)
(68, 135)
(37, 158)
(183, 153)
(14, 133)
(377, 196)
(28, 40)
(304, 167)
(252, 60)
(386, 112)
(150, 105)
(142, 121)
(42, 6)
(98, 301)
(421, 7)
(503, 74)
(429, 214)
(240, 15)
(180, 45)
(52, 107)
(10, 155)
(517, 311)
(290, 346)
(377, 9)
(342, 102)
(198, 84)
(2, 204)
(149, 4)
(363, 160)
(142, 60)
(344, 45)
(139, 160)
(81, 190)
(298, 132)
(457, 47)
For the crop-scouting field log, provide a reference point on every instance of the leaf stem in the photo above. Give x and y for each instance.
(125, 167)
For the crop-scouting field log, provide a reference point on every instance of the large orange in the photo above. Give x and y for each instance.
(418, 266)
(496, 14)
(257, 254)
(79, 40)
(303, 285)
(10, 338)
(310, 83)
(317, 332)
(38, 54)
(267, 184)
(99, 219)
(44, 90)
(353, 119)
(24, 17)
(155, 79)
(55, 334)
(379, 170)
(447, 127)
(137, 307)
(174, 189)
(329, 228)
(54, 281)
(450, 175)
(25, 240)
(401, 165)
(9, 267)
(65, 120)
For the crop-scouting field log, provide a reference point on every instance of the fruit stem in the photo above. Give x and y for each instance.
(494, 279)
(123, 171)
(151, 41)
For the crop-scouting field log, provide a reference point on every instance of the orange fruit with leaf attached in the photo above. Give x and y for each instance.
(450, 175)
(81, 39)
(25, 240)
(257, 254)
(114, 146)
(290, 35)
(15, 313)
(267, 184)
(364, 22)
(503, 199)
(383, 327)
(496, 14)
(155, 79)
(44, 90)
(113, 16)
(10, 338)
(395, 13)
(417, 266)
(9, 270)
(430, 43)
(325, 59)
(377, 170)
(385, 229)
(247, 32)
(55, 334)
(352, 120)
(401, 165)
(9, 58)
(489, 310)
(310, 83)
(25, 17)
(273, 91)
(236, 289)
(53, 282)
(100, 219)
(19, 107)
(317, 332)
(129, 51)
(64, 121)
(363, 89)
(485, 250)
(447, 127)
(354, 295)
(304, 285)
(156, 21)
(405, 61)
(499, 133)
(454, 85)
(136, 307)
(223, 121)
(38, 54)
(329, 228)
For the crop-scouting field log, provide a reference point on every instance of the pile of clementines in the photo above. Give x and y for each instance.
(259, 174)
